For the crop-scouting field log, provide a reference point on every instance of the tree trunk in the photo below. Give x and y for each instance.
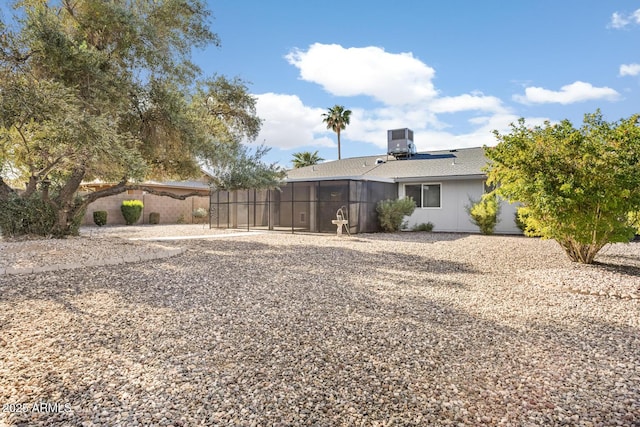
(584, 253)
(32, 186)
(338, 132)
(65, 206)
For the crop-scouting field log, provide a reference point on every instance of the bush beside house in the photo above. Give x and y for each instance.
(154, 218)
(131, 211)
(391, 213)
(100, 218)
(485, 212)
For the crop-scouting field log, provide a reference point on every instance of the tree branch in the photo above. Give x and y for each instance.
(122, 186)
(44, 172)
(111, 191)
(155, 192)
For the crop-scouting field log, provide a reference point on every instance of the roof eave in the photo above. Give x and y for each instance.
(440, 178)
(341, 178)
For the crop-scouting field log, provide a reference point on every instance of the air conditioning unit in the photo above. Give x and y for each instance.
(400, 143)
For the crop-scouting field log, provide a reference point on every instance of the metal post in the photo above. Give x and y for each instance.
(349, 206)
(292, 213)
(269, 224)
(210, 208)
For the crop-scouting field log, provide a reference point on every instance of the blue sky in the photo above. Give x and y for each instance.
(451, 71)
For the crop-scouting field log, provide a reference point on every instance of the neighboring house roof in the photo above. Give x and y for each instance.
(186, 185)
(443, 164)
(199, 184)
(195, 185)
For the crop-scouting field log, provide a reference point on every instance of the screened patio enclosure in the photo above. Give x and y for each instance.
(302, 206)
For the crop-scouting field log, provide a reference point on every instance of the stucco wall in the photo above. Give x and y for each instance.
(452, 216)
(171, 210)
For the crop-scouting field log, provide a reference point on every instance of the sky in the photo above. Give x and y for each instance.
(452, 71)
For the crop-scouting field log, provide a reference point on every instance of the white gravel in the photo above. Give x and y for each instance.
(98, 246)
(279, 329)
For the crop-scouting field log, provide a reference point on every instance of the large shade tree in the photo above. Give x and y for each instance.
(577, 185)
(337, 118)
(106, 89)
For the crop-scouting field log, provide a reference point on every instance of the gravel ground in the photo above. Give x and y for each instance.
(374, 330)
(96, 246)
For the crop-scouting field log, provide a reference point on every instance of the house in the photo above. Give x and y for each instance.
(171, 210)
(442, 183)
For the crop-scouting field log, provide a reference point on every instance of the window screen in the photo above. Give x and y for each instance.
(414, 191)
(431, 195)
(424, 195)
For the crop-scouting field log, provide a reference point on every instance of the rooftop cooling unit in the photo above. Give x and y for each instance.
(400, 143)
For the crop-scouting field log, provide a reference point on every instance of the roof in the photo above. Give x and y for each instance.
(184, 185)
(191, 185)
(443, 164)
(196, 184)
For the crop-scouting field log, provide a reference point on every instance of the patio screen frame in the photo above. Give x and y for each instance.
(302, 206)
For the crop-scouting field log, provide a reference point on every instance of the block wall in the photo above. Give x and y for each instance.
(171, 210)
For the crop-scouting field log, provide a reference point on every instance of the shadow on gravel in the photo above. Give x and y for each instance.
(235, 247)
(415, 236)
(627, 270)
(309, 335)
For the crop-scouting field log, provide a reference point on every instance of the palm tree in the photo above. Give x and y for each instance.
(306, 158)
(337, 118)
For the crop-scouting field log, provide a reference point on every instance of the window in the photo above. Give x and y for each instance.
(425, 195)
(431, 196)
(415, 192)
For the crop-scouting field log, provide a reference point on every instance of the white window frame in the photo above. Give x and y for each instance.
(422, 184)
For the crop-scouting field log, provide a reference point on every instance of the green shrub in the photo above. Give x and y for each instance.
(33, 216)
(154, 218)
(181, 219)
(392, 212)
(425, 226)
(634, 221)
(22, 216)
(100, 218)
(524, 223)
(131, 210)
(521, 220)
(484, 213)
(200, 213)
(200, 216)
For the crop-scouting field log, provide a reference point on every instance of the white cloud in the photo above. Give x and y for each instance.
(629, 69)
(481, 133)
(371, 125)
(569, 94)
(403, 86)
(288, 123)
(391, 78)
(619, 20)
(466, 102)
